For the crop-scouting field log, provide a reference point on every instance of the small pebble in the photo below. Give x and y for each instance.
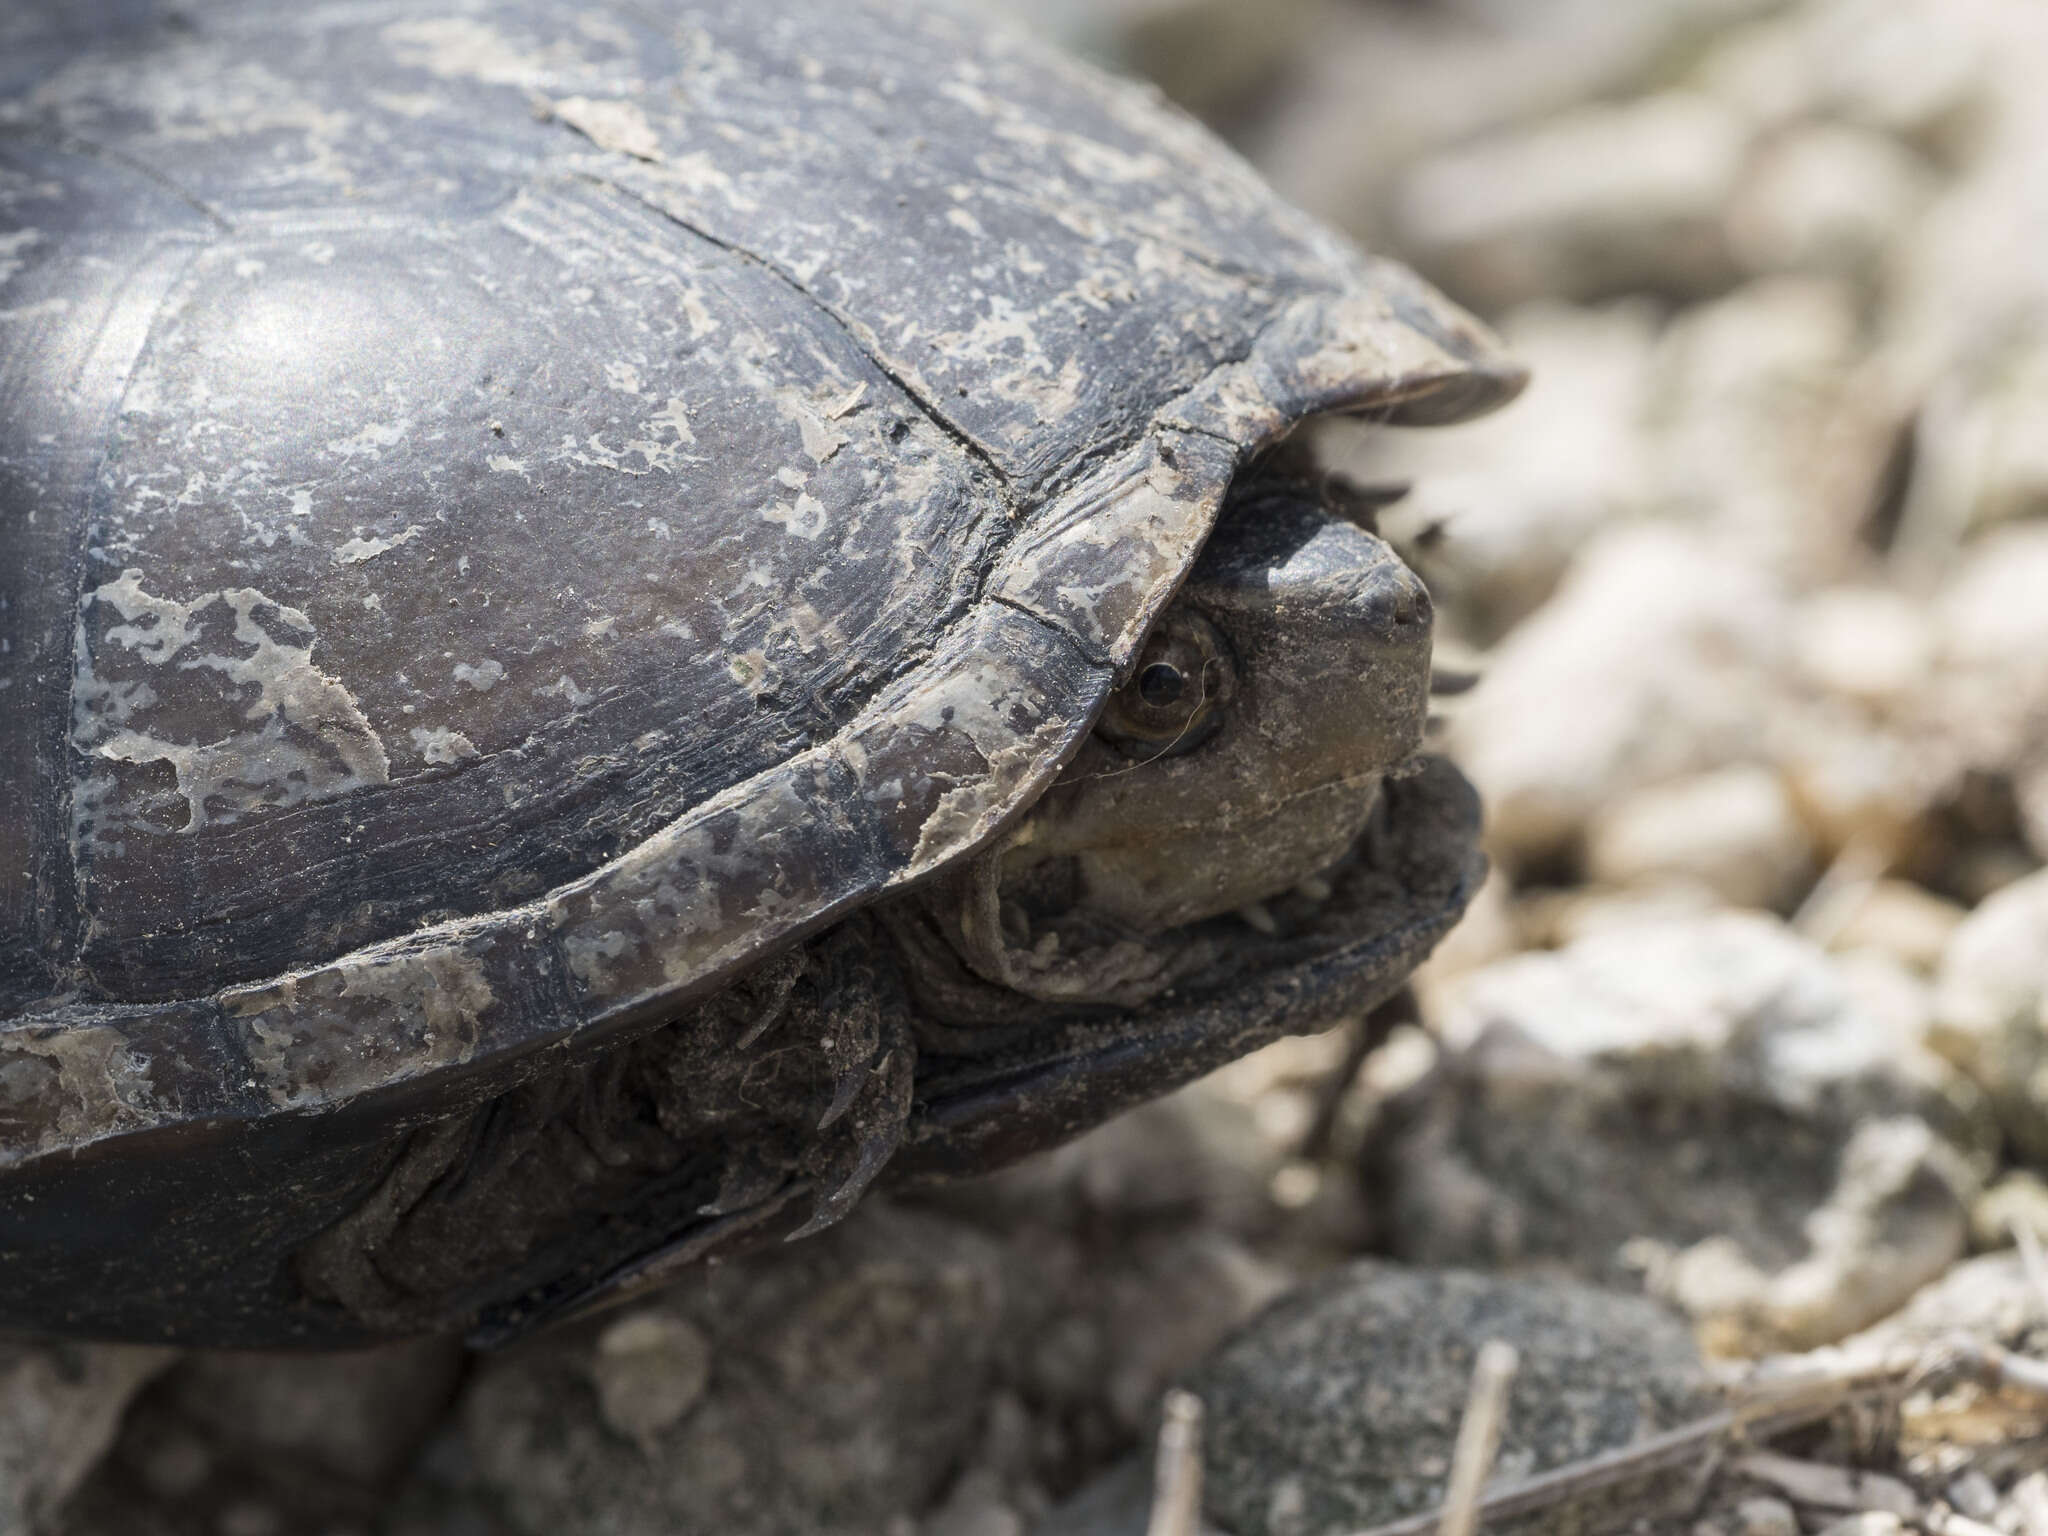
(649, 1369)
(1765, 1517)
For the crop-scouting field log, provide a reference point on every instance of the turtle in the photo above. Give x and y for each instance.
(623, 622)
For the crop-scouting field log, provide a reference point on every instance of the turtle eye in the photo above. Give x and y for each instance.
(1176, 696)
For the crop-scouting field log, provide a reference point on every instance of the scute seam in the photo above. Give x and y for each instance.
(911, 392)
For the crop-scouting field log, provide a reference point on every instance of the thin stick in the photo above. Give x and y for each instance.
(1841, 891)
(2001, 1367)
(1478, 1437)
(1177, 1475)
(1765, 1409)
(2031, 1262)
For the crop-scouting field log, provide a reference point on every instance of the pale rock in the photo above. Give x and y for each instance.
(1896, 1220)
(1990, 1297)
(1979, 454)
(2018, 1200)
(1733, 831)
(1968, 300)
(1767, 433)
(1990, 711)
(1909, 67)
(1870, 644)
(1385, 84)
(1866, 1522)
(60, 1408)
(1858, 783)
(1557, 918)
(1730, 1002)
(1825, 198)
(1899, 919)
(1593, 201)
(1765, 1516)
(2026, 1506)
(649, 1369)
(1710, 1101)
(1991, 1007)
(1885, 988)
(1973, 1494)
(1657, 657)
(1507, 501)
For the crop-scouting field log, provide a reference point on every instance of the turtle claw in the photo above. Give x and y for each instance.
(829, 1209)
(844, 1092)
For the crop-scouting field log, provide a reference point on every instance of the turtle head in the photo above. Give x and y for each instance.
(1244, 756)
(1232, 780)
(1248, 845)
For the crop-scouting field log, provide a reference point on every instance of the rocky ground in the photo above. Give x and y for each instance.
(1724, 1106)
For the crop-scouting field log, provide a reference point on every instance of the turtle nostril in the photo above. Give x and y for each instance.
(1411, 603)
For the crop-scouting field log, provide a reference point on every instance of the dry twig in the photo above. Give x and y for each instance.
(1841, 890)
(1177, 1475)
(2032, 1263)
(1775, 1397)
(1478, 1437)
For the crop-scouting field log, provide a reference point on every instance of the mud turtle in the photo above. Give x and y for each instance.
(610, 624)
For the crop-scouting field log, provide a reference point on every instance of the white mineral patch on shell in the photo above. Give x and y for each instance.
(484, 676)
(301, 737)
(373, 1018)
(441, 746)
(456, 47)
(358, 549)
(611, 124)
(68, 1087)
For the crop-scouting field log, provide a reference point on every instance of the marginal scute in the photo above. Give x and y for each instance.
(322, 1036)
(63, 1086)
(1108, 558)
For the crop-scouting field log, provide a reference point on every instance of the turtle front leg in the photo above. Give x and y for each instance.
(763, 1111)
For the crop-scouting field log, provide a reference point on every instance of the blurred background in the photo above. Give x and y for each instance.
(1749, 1027)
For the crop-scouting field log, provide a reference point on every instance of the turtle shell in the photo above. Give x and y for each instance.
(514, 516)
